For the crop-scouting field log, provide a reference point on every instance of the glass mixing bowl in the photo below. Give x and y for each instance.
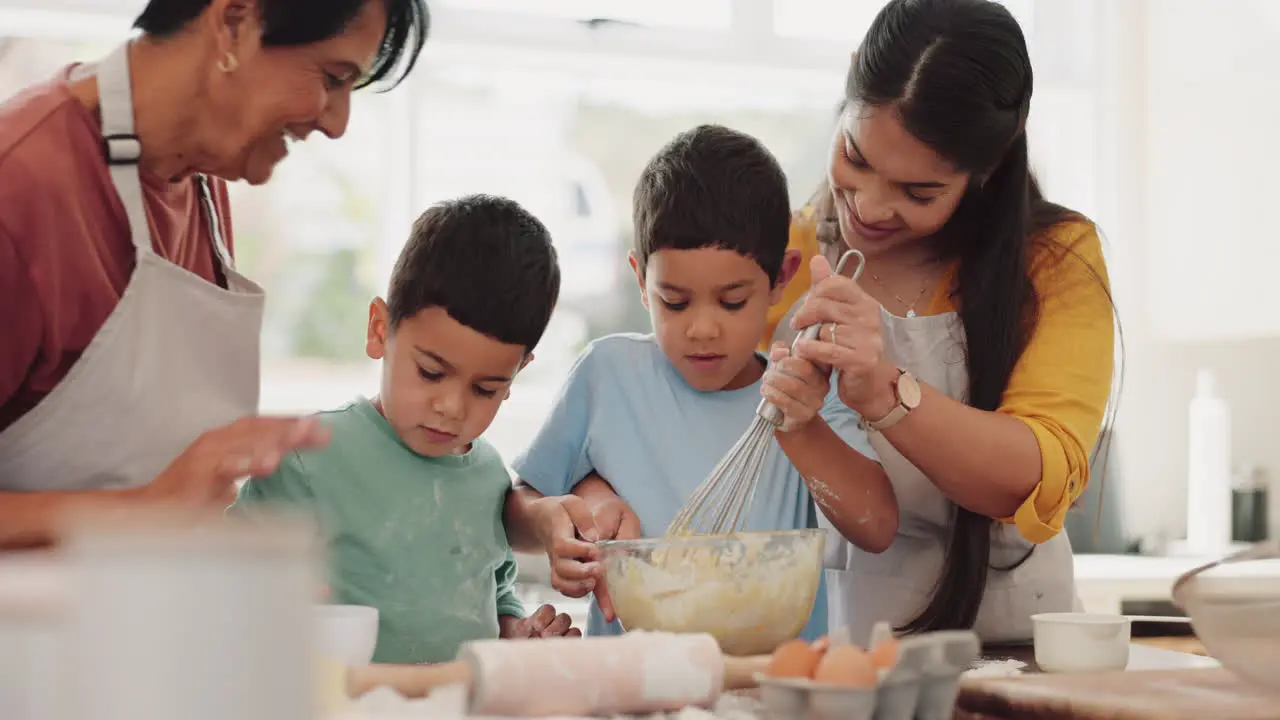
(752, 591)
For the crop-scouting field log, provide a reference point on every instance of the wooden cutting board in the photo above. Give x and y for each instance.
(1204, 694)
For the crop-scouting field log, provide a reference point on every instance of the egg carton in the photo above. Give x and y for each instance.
(922, 683)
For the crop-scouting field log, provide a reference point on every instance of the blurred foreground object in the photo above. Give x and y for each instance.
(180, 614)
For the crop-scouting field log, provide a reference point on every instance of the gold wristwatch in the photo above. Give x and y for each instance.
(907, 390)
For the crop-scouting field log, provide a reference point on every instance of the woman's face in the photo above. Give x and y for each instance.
(889, 188)
(278, 95)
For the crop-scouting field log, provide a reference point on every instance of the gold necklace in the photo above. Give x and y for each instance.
(910, 306)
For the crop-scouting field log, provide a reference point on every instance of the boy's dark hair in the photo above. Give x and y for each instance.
(713, 187)
(302, 22)
(486, 261)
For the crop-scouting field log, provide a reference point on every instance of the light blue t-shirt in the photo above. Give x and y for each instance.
(626, 413)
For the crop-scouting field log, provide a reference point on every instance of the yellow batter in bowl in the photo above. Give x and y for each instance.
(752, 591)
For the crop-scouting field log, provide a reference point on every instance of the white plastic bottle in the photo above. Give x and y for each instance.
(1208, 470)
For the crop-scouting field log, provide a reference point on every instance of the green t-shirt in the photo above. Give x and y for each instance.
(419, 538)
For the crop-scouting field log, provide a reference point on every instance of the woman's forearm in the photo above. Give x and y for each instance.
(32, 519)
(987, 462)
(851, 489)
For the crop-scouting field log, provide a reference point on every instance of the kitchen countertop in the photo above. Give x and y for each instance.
(1167, 689)
(1141, 657)
(1105, 582)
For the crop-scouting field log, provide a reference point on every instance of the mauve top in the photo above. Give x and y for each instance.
(66, 252)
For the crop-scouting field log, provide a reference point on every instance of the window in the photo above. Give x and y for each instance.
(569, 143)
(848, 20)
(316, 238)
(25, 61)
(841, 20)
(556, 119)
(705, 14)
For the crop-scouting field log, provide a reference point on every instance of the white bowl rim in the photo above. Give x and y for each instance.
(1079, 618)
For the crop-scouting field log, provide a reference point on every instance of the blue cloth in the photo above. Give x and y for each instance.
(626, 413)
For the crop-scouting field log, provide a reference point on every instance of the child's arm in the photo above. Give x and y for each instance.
(821, 438)
(510, 608)
(554, 462)
(567, 526)
(561, 526)
(522, 516)
(514, 622)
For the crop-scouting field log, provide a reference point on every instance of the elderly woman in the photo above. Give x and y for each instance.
(129, 345)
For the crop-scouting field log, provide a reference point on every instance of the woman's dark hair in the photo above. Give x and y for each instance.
(301, 22)
(959, 75)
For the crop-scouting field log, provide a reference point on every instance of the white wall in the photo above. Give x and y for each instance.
(1189, 123)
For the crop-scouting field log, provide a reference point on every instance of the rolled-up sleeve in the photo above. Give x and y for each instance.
(1062, 383)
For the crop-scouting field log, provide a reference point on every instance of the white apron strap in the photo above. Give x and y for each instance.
(123, 150)
(120, 143)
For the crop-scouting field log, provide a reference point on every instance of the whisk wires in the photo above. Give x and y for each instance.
(722, 503)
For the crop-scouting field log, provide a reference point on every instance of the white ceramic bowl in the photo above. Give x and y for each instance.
(1081, 642)
(347, 633)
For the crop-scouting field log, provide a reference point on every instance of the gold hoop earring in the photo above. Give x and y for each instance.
(228, 63)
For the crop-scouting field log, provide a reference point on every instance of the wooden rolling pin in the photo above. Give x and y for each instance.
(635, 673)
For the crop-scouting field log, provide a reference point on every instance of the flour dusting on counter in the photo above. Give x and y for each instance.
(448, 703)
(995, 668)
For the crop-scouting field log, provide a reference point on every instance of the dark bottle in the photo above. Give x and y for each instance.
(1249, 508)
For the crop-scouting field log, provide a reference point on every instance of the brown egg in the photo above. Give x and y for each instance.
(821, 644)
(885, 653)
(847, 666)
(793, 659)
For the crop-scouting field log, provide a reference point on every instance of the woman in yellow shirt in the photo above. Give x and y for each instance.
(977, 346)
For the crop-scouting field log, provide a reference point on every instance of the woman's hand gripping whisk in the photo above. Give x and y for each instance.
(794, 390)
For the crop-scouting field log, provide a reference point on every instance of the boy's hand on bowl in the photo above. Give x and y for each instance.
(545, 622)
(614, 520)
(567, 530)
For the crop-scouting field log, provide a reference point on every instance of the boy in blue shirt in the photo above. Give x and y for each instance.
(408, 493)
(643, 419)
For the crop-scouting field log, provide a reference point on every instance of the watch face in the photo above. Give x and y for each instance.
(908, 391)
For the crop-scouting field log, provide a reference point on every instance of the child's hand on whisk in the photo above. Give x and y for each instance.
(795, 386)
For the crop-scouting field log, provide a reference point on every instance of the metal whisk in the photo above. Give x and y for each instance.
(722, 503)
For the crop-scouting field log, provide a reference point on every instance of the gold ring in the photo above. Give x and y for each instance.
(833, 334)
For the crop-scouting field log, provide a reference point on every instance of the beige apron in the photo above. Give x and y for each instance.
(178, 355)
(865, 588)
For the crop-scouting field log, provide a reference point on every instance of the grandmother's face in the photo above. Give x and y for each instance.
(280, 94)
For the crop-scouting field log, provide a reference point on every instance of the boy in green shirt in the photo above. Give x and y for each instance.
(410, 497)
